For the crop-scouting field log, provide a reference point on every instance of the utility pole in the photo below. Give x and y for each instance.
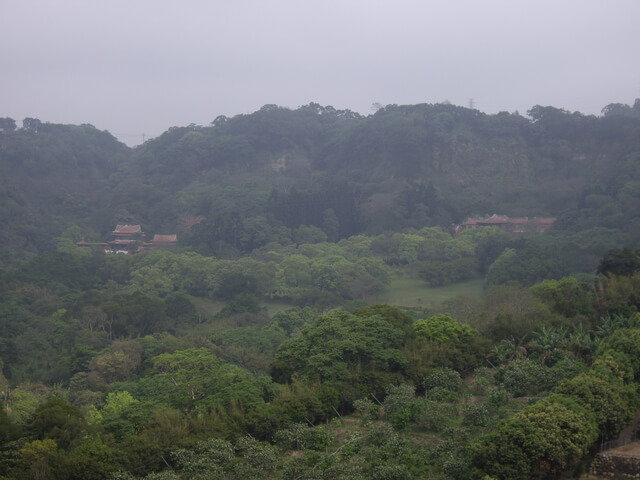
(472, 103)
(143, 137)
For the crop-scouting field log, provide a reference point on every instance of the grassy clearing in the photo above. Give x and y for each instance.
(409, 291)
(404, 290)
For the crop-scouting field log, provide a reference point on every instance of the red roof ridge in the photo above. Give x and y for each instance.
(165, 238)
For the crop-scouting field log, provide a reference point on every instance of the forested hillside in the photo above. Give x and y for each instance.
(320, 317)
(52, 176)
(258, 178)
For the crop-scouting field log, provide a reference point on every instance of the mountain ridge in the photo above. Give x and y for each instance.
(401, 167)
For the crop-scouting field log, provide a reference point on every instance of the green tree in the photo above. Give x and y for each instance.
(567, 296)
(123, 358)
(612, 404)
(399, 404)
(7, 124)
(619, 262)
(541, 441)
(59, 421)
(442, 378)
(347, 352)
(151, 281)
(179, 306)
(31, 124)
(195, 378)
(391, 314)
(115, 404)
(24, 400)
(625, 341)
(212, 457)
(293, 320)
(524, 377)
(443, 329)
(547, 341)
(91, 460)
(36, 458)
(258, 459)
(134, 315)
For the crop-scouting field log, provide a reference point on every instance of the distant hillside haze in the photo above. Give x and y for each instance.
(281, 175)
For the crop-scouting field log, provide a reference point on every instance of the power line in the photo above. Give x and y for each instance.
(145, 135)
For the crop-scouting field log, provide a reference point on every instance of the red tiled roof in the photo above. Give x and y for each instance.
(165, 238)
(495, 219)
(503, 219)
(129, 229)
(492, 220)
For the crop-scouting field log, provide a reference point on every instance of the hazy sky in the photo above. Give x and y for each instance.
(142, 66)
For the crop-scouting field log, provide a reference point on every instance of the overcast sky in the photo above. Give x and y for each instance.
(142, 66)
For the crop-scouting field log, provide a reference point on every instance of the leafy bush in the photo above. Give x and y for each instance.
(439, 394)
(434, 415)
(541, 441)
(367, 409)
(524, 377)
(443, 329)
(612, 404)
(443, 377)
(301, 437)
(476, 415)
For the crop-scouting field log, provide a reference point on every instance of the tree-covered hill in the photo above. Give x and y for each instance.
(52, 176)
(445, 161)
(261, 177)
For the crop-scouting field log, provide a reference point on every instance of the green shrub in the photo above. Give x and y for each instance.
(443, 377)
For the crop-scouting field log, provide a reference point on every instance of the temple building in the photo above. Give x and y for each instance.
(162, 242)
(130, 239)
(517, 225)
(126, 239)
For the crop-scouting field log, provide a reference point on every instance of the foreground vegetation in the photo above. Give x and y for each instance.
(126, 366)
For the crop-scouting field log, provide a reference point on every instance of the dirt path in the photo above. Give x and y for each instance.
(629, 450)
